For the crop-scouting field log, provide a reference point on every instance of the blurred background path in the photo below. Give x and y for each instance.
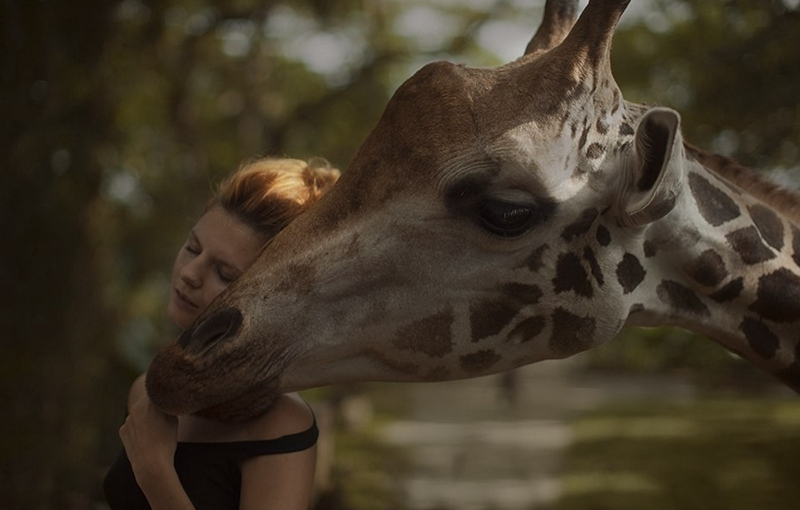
(496, 442)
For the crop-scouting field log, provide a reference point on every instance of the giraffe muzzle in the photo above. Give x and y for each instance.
(212, 330)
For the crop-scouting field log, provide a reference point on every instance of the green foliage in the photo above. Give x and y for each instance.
(675, 350)
(657, 350)
(729, 68)
(720, 454)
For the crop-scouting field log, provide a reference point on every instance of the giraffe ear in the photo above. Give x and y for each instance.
(652, 177)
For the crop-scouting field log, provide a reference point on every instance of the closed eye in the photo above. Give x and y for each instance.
(505, 218)
(511, 216)
(224, 276)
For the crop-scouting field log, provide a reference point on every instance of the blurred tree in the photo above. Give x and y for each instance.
(54, 324)
(730, 68)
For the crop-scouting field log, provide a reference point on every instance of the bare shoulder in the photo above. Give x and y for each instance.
(137, 391)
(290, 415)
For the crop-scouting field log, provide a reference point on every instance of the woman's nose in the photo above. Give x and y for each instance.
(191, 274)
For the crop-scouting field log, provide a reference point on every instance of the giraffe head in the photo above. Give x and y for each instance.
(460, 242)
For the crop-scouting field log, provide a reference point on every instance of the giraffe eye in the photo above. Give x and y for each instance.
(506, 219)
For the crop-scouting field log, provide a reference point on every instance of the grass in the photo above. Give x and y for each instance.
(726, 454)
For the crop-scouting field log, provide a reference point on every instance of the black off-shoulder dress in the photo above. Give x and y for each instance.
(209, 472)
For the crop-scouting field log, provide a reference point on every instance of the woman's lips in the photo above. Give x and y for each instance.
(184, 302)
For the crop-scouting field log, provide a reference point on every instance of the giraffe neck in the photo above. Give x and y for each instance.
(726, 265)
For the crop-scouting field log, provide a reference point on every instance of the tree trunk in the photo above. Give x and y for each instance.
(57, 352)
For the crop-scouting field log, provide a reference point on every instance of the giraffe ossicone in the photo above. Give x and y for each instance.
(495, 218)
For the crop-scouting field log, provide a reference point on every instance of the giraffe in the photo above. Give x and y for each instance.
(493, 218)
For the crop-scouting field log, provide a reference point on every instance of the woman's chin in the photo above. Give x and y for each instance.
(179, 317)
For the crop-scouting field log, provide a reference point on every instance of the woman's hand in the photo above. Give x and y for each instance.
(150, 437)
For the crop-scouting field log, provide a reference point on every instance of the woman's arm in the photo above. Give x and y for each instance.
(150, 438)
(282, 481)
(278, 482)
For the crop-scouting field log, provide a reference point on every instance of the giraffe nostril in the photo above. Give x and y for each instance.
(221, 324)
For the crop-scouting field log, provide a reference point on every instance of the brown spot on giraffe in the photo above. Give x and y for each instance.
(405, 367)
(601, 126)
(571, 333)
(595, 151)
(527, 330)
(727, 171)
(617, 103)
(479, 362)
(581, 225)
(650, 249)
(778, 296)
(714, 205)
(535, 259)
(603, 236)
(584, 135)
(432, 335)
(636, 308)
(626, 129)
(681, 299)
(796, 245)
(729, 291)
(570, 275)
(747, 243)
(707, 269)
(763, 341)
(523, 293)
(768, 224)
(487, 318)
(630, 273)
(597, 272)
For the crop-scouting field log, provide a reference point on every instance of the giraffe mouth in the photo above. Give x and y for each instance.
(232, 387)
(251, 404)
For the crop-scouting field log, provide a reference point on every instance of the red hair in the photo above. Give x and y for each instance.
(268, 193)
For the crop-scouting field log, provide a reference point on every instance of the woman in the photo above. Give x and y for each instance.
(188, 462)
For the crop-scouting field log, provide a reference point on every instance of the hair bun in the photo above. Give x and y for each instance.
(268, 193)
(321, 176)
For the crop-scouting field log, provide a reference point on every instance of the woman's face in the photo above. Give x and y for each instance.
(220, 247)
